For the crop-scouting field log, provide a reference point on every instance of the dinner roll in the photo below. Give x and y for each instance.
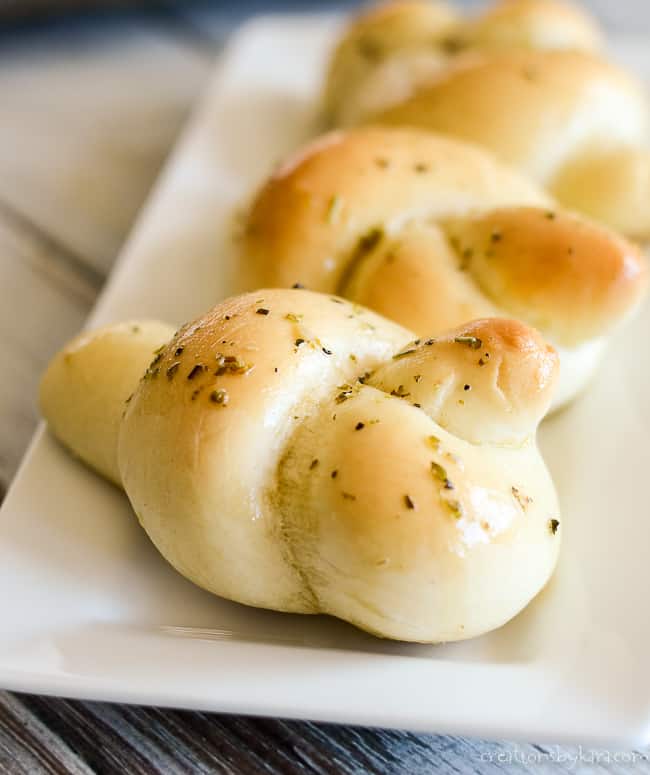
(573, 122)
(293, 451)
(390, 49)
(432, 232)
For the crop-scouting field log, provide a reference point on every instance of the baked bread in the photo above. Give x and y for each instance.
(84, 390)
(292, 451)
(575, 123)
(391, 48)
(527, 85)
(432, 232)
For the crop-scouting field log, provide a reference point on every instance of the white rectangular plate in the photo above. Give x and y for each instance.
(88, 608)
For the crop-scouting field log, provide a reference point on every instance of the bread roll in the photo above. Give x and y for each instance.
(432, 232)
(390, 49)
(292, 451)
(573, 122)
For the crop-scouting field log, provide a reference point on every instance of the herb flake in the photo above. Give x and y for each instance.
(472, 342)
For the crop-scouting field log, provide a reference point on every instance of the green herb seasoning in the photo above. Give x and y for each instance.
(433, 442)
(156, 360)
(438, 471)
(173, 369)
(470, 341)
(456, 508)
(346, 391)
(196, 370)
(400, 392)
(466, 257)
(404, 354)
(219, 397)
(522, 499)
(369, 241)
(334, 207)
(231, 364)
(370, 50)
(451, 45)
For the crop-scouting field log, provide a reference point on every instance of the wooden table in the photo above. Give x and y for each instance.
(88, 110)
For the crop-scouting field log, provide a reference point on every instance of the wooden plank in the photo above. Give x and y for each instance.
(45, 297)
(28, 747)
(114, 738)
(89, 113)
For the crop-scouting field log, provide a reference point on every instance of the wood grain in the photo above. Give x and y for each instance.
(107, 738)
(47, 292)
(88, 113)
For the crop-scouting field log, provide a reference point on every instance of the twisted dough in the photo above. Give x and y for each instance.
(570, 120)
(391, 48)
(292, 451)
(432, 232)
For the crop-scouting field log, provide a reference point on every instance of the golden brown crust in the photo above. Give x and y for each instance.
(568, 277)
(419, 278)
(430, 232)
(523, 79)
(269, 458)
(330, 199)
(270, 469)
(533, 109)
(498, 370)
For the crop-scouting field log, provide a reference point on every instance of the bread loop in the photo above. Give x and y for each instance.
(432, 232)
(290, 450)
